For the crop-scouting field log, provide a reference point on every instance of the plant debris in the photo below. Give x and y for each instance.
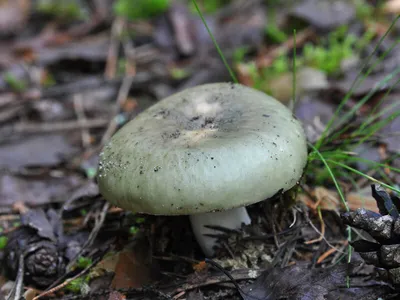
(72, 73)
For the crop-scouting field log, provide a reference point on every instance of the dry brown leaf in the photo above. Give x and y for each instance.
(130, 271)
(330, 200)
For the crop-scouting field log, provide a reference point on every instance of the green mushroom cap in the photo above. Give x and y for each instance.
(208, 148)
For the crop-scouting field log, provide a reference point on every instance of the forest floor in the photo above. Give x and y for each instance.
(73, 72)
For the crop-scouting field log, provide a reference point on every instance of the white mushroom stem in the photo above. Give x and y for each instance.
(231, 219)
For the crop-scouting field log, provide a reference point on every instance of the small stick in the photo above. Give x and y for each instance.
(65, 283)
(122, 95)
(328, 253)
(112, 56)
(29, 127)
(17, 288)
(80, 113)
(267, 59)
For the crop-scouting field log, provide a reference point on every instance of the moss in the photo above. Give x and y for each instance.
(14, 83)
(328, 58)
(140, 9)
(79, 285)
(61, 9)
(208, 6)
(83, 262)
(274, 34)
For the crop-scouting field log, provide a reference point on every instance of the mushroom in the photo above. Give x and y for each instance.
(206, 152)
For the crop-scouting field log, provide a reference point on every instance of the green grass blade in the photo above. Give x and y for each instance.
(231, 73)
(374, 116)
(363, 175)
(356, 83)
(360, 103)
(321, 157)
(377, 126)
(339, 155)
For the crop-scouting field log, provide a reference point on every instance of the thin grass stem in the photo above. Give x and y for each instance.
(356, 83)
(231, 73)
(363, 175)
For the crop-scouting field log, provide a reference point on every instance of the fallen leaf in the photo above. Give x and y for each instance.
(330, 200)
(91, 49)
(315, 113)
(40, 150)
(131, 266)
(299, 282)
(391, 131)
(35, 191)
(130, 271)
(324, 15)
(37, 219)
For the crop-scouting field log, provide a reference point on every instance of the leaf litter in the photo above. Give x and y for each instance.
(60, 76)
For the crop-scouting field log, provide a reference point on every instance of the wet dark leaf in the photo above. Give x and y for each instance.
(324, 14)
(368, 152)
(298, 282)
(37, 219)
(88, 189)
(35, 191)
(242, 26)
(40, 150)
(363, 87)
(365, 246)
(390, 133)
(384, 201)
(92, 49)
(315, 114)
(196, 295)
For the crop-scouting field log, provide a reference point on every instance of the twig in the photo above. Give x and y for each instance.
(80, 113)
(267, 59)
(329, 252)
(17, 288)
(98, 224)
(9, 218)
(323, 237)
(130, 54)
(177, 296)
(66, 282)
(77, 86)
(236, 276)
(29, 127)
(122, 95)
(112, 56)
(322, 229)
(10, 113)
